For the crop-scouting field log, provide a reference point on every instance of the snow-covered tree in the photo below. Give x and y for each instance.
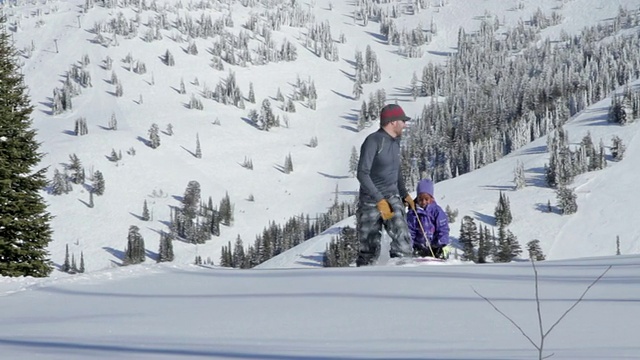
(468, 238)
(353, 161)
(98, 184)
(134, 253)
(154, 136)
(145, 211)
(534, 250)
(566, 200)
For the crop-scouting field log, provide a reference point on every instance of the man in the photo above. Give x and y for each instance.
(382, 190)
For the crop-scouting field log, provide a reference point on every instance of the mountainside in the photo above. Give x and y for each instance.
(60, 37)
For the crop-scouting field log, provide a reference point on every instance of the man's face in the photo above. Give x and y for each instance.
(398, 126)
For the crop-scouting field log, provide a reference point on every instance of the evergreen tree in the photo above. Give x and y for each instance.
(226, 210)
(502, 211)
(198, 149)
(267, 119)
(485, 245)
(74, 267)
(165, 251)
(183, 89)
(191, 201)
(252, 96)
(81, 268)
(98, 183)
(518, 176)
(76, 168)
(468, 239)
(135, 252)
(508, 246)
(145, 211)
(113, 122)
(66, 266)
(288, 164)
(154, 136)
(617, 148)
(567, 200)
(238, 254)
(59, 183)
(357, 89)
(451, 214)
(24, 221)
(353, 162)
(342, 251)
(534, 250)
(81, 126)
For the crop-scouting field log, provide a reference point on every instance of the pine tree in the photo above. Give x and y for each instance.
(145, 211)
(191, 199)
(59, 184)
(468, 239)
(238, 253)
(24, 221)
(353, 162)
(534, 250)
(113, 122)
(81, 268)
(288, 164)
(66, 266)
(154, 136)
(98, 183)
(226, 210)
(165, 251)
(76, 168)
(518, 176)
(617, 148)
(485, 245)
(74, 267)
(502, 211)
(357, 89)
(567, 200)
(451, 214)
(252, 96)
(198, 149)
(135, 252)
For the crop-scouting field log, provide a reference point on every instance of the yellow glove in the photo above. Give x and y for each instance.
(385, 209)
(409, 201)
(446, 250)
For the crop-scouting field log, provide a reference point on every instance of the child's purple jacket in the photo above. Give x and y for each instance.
(435, 223)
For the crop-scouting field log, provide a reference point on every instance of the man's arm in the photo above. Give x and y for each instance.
(367, 154)
(402, 189)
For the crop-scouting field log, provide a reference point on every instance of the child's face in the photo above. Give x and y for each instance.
(424, 199)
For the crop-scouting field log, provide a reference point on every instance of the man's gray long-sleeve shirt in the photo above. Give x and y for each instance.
(379, 168)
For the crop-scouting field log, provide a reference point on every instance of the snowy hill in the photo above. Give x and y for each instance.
(181, 311)
(56, 36)
(603, 197)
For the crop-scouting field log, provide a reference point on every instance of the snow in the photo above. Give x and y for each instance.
(289, 307)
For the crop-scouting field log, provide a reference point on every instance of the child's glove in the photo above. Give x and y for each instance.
(385, 209)
(410, 203)
(446, 250)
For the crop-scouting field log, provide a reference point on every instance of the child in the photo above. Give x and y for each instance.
(435, 223)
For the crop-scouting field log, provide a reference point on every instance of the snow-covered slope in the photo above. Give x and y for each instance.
(54, 35)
